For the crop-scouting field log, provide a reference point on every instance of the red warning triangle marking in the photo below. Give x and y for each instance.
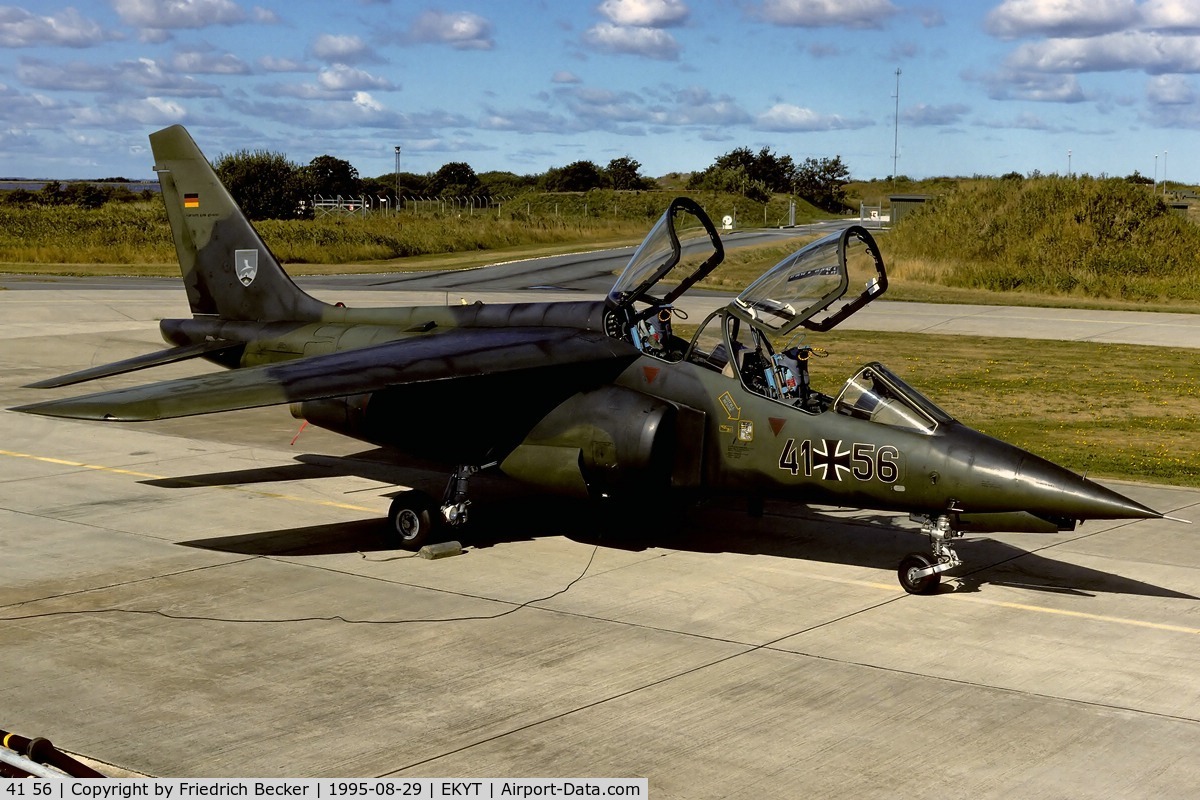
(651, 373)
(777, 424)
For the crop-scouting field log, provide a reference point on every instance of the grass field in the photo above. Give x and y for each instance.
(1069, 237)
(134, 238)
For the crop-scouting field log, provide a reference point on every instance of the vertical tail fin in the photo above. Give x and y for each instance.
(227, 268)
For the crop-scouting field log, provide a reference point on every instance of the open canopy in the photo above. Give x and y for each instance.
(681, 248)
(813, 280)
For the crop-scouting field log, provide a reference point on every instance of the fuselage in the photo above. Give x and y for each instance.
(742, 441)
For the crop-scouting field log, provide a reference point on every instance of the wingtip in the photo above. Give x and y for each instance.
(67, 409)
(31, 408)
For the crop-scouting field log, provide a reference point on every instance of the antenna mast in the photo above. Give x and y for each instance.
(896, 131)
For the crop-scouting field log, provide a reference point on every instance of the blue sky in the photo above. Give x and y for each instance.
(524, 85)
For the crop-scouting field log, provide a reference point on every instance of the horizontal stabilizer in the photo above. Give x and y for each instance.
(459, 353)
(156, 359)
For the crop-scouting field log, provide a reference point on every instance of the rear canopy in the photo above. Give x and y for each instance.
(813, 280)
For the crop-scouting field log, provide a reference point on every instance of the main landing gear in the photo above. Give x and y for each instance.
(921, 574)
(415, 519)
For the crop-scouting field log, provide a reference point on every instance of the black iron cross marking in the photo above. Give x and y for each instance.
(829, 458)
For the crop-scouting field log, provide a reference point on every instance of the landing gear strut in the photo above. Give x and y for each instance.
(415, 519)
(919, 573)
(454, 499)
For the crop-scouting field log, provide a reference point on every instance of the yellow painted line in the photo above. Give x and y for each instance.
(896, 589)
(1062, 612)
(65, 463)
(886, 587)
(132, 473)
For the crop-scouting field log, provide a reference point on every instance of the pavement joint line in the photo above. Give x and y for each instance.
(989, 686)
(584, 707)
(747, 649)
(120, 584)
(149, 476)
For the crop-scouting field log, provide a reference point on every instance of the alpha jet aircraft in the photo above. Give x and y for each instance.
(590, 399)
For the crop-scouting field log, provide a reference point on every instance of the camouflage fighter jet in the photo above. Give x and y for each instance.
(592, 399)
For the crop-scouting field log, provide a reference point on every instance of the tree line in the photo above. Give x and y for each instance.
(79, 194)
(267, 185)
(759, 175)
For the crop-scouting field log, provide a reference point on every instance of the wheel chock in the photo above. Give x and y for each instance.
(440, 550)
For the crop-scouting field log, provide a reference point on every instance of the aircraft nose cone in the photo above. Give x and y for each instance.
(999, 477)
(1062, 492)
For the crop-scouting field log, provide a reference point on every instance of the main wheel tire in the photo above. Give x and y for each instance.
(412, 518)
(912, 584)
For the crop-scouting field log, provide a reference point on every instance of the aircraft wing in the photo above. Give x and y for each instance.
(156, 359)
(458, 353)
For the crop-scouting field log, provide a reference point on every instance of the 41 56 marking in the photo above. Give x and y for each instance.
(862, 461)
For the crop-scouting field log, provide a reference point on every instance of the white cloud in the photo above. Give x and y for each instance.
(604, 107)
(367, 103)
(623, 112)
(1131, 50)
(335, 84)
(527, 121)
(564, 76)
(827, 13)
(273, 64)
(265, 16)
(648, 42)
(206, 61)
(341, 78)
(787, 118)
(1170, 90)
(923, 115)
(342, 49)
(461, 30)
(359, 111)
(1174, 15)
(148, 111)
(123, 78)
(157, 17)
(71, 76)
(67, 28)
(1070, 18)
(645, 13)
(29, 110)
(1074, 37)
(1039, 87)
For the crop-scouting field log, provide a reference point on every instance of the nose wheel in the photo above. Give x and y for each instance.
(920, 573)
(915, 576)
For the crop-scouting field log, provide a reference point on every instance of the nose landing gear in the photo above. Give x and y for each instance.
(921, 574)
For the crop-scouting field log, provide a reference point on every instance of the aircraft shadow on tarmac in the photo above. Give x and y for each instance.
(505, 512)
(370, 464)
